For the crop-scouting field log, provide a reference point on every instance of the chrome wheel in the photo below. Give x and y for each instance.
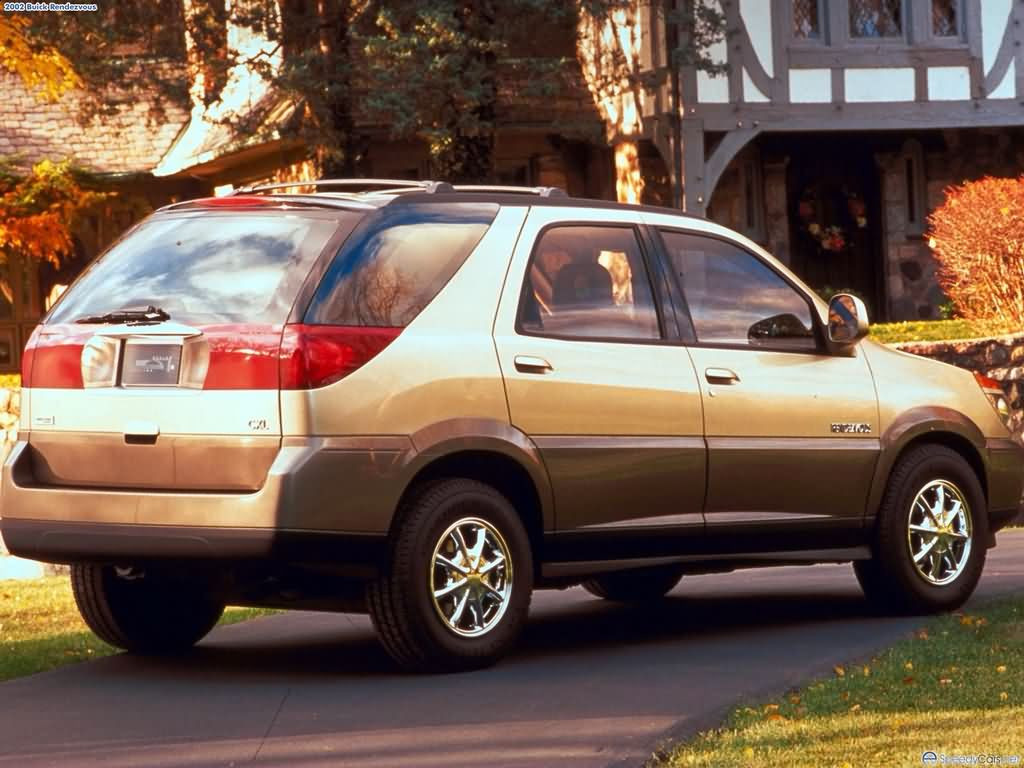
(939, 532)
(471, 577)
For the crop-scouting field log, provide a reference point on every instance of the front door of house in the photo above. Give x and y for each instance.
(835, 220)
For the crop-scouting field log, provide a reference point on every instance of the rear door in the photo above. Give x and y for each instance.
(596, 375)
(188, 396)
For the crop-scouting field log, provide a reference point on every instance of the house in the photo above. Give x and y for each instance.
(838, 125)
(198, 149)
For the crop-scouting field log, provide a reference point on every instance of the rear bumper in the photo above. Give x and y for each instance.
(317, 491)
(68, 542)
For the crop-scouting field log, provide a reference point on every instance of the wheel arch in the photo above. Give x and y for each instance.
(928, 426)
(494, 453)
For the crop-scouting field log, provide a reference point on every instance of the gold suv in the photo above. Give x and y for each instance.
(424, 401)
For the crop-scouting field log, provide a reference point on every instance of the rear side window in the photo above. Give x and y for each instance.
(589, 282)
(206, 269)
(397, 262)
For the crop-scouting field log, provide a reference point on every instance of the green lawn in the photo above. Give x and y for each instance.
(40, 627)
(938, 330)
(955, 687)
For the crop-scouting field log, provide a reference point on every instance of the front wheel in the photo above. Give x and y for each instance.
(457, 589)
(932, 530)
(142, 613)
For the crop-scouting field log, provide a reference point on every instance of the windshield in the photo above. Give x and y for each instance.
(211, 268)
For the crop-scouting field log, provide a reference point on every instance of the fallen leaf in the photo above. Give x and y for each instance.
(908, 681)
(1001, 669)
(855, 708)
(909, 665)
(840, 672)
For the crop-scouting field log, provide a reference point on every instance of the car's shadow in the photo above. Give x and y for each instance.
(581, 628)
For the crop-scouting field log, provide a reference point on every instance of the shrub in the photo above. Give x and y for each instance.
(978, 239)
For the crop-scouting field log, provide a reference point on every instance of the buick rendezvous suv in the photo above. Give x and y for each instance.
(425, 401)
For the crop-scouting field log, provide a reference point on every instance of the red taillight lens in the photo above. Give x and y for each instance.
(314, 356)
(53, 358)
(242, 356)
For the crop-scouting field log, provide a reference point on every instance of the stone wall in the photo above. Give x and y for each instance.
(1001, 358)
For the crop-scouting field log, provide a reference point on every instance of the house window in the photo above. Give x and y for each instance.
(876, 18)
(806, 20)
(945, 18)
(912, 157)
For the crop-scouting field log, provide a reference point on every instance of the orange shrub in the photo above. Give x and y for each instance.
(977, 236)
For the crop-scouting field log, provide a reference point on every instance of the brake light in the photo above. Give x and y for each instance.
(237, 201)
(53, 359)
(314, 356)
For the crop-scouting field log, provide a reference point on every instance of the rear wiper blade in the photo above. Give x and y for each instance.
(150, 314)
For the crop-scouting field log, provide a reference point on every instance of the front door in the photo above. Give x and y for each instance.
(594, 377)
(792, 432)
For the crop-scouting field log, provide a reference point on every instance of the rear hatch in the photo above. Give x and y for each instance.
(160, 368)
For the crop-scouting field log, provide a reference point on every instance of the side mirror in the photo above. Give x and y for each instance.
(847, 320)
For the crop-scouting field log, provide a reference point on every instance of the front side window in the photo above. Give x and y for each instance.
(876, 18)
(589, 282)
(734, 298)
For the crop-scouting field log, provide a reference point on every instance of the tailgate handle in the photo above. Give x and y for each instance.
(141, 432)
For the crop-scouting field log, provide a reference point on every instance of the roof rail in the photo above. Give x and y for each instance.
(396, 185)
(539, 191)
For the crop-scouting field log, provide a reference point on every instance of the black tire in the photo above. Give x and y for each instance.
(401, 604)
(142, 614)
(635, 586)
(891, 580)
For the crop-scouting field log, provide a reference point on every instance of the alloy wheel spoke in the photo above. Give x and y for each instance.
(447, 590)
(459, 608)
(453, 565)
(926, 550)
(499, 560)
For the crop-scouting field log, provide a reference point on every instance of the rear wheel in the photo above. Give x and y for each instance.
(930, 537)
(140, 612)
(457, 588)
(636, 585)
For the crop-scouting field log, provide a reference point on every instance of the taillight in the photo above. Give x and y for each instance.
(53, 358)
(314, 356)
(242, 356)
(996, 396)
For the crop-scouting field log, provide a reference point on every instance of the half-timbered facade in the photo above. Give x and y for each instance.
(837, 126)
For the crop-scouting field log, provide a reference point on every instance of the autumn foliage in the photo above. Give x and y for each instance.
(37, 210)
(977, 236)
(43, 69)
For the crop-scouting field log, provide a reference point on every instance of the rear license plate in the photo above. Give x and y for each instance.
(151, 365)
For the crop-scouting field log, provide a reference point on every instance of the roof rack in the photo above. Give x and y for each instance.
(393, 185)
(539, 191)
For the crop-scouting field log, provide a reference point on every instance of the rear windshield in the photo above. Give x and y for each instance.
(397, 261)
(211, 268)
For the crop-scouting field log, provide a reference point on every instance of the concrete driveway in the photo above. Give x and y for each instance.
(593, 684)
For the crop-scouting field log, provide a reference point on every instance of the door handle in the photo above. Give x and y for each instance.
(721, 376)
(531, 364)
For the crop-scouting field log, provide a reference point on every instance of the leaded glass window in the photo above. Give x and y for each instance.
(944, 18)
(876, 18)
(806, 24)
